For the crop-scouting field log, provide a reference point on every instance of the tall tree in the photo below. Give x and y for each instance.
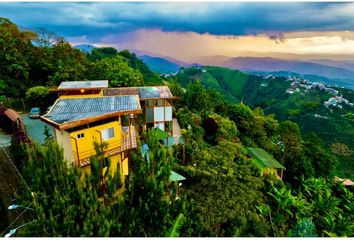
(117, 71)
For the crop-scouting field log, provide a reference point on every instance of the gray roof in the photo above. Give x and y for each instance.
(83, 84)
(69, 110)
(153, 92)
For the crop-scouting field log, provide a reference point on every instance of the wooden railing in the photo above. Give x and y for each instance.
(127, 141)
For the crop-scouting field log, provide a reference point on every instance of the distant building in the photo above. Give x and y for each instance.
(265, 162)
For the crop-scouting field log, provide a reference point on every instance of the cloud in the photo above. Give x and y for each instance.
(191, 46)
(98, 18)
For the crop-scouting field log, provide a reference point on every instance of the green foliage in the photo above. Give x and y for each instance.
(303, 228)
(102, 52)
(150, 77)
(38, 95)
(177, 226)
(147, 199)
(197, 98)
(117, 71)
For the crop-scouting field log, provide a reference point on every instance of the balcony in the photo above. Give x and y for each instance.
(127, 142)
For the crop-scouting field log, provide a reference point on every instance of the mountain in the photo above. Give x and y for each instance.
(85, 47)
(335, 125)
(305, 68)
(160, 65)
(349, 65)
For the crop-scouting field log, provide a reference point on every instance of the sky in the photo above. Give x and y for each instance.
(191, 31)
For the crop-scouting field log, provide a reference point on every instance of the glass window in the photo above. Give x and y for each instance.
(107, 133)
(160, 103)
(159, 114)
(150, 103)
(80, 135)
(149, 115)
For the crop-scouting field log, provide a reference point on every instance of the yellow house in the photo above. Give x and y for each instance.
(79, 89)
(80, 121)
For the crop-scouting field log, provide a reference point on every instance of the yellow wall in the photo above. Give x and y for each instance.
(100, 94)
(85, 145)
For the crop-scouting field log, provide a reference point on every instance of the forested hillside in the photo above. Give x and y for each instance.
(225, 192)
(334, 125)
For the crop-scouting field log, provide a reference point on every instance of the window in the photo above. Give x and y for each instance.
(107, 134)
(80, 135)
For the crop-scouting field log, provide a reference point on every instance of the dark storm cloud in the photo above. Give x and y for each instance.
(99, 19)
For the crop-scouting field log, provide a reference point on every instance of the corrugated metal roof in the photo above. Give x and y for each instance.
(69, 110)
(264, 159)
(83, 84)
(12, 114)
(154, 92)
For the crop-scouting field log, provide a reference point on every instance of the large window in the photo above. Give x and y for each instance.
(107, 134)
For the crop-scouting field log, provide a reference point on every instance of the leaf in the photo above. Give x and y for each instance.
(176, 228)
(330, 234)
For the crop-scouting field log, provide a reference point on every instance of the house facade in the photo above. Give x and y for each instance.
(156, 103)
(81, 121)
(88, 112)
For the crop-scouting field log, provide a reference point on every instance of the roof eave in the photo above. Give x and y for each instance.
(69, 125)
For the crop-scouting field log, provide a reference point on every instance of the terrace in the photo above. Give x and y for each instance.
(126, 142)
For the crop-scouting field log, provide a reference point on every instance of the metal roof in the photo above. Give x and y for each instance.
(12, 114)
(83, 84)
(264, 159)
(154, 92)
(69, 110)
(175, 177)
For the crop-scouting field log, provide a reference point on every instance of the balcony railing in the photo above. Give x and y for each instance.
(127, 141)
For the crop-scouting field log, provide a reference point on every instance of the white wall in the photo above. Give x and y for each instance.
(64, 141)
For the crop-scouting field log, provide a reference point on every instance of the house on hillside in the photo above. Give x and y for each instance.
(80, 121)
(88, 111)
(265, 161)
(156, 103)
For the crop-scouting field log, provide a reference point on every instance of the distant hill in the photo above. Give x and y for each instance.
(85, 47)
(305, 107)
(301, 67)
(346, 64)
(160, 65)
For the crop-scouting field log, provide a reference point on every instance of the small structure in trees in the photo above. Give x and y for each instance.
(265, 161)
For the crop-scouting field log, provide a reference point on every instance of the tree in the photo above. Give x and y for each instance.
(117, 72)
(66, 63)
(63, 198)
(16, 48)
(197, 98)
(46, 38)
(38, 95)
(151, 207)
(102, 52)
(150, 77)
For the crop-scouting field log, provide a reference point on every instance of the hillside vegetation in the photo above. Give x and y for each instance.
(334, 125)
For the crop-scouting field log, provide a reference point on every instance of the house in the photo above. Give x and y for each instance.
(75, 89)
(81, 120)
(156, 103)
(264, 161)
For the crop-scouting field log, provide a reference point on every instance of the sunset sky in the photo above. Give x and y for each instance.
(189, 31)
